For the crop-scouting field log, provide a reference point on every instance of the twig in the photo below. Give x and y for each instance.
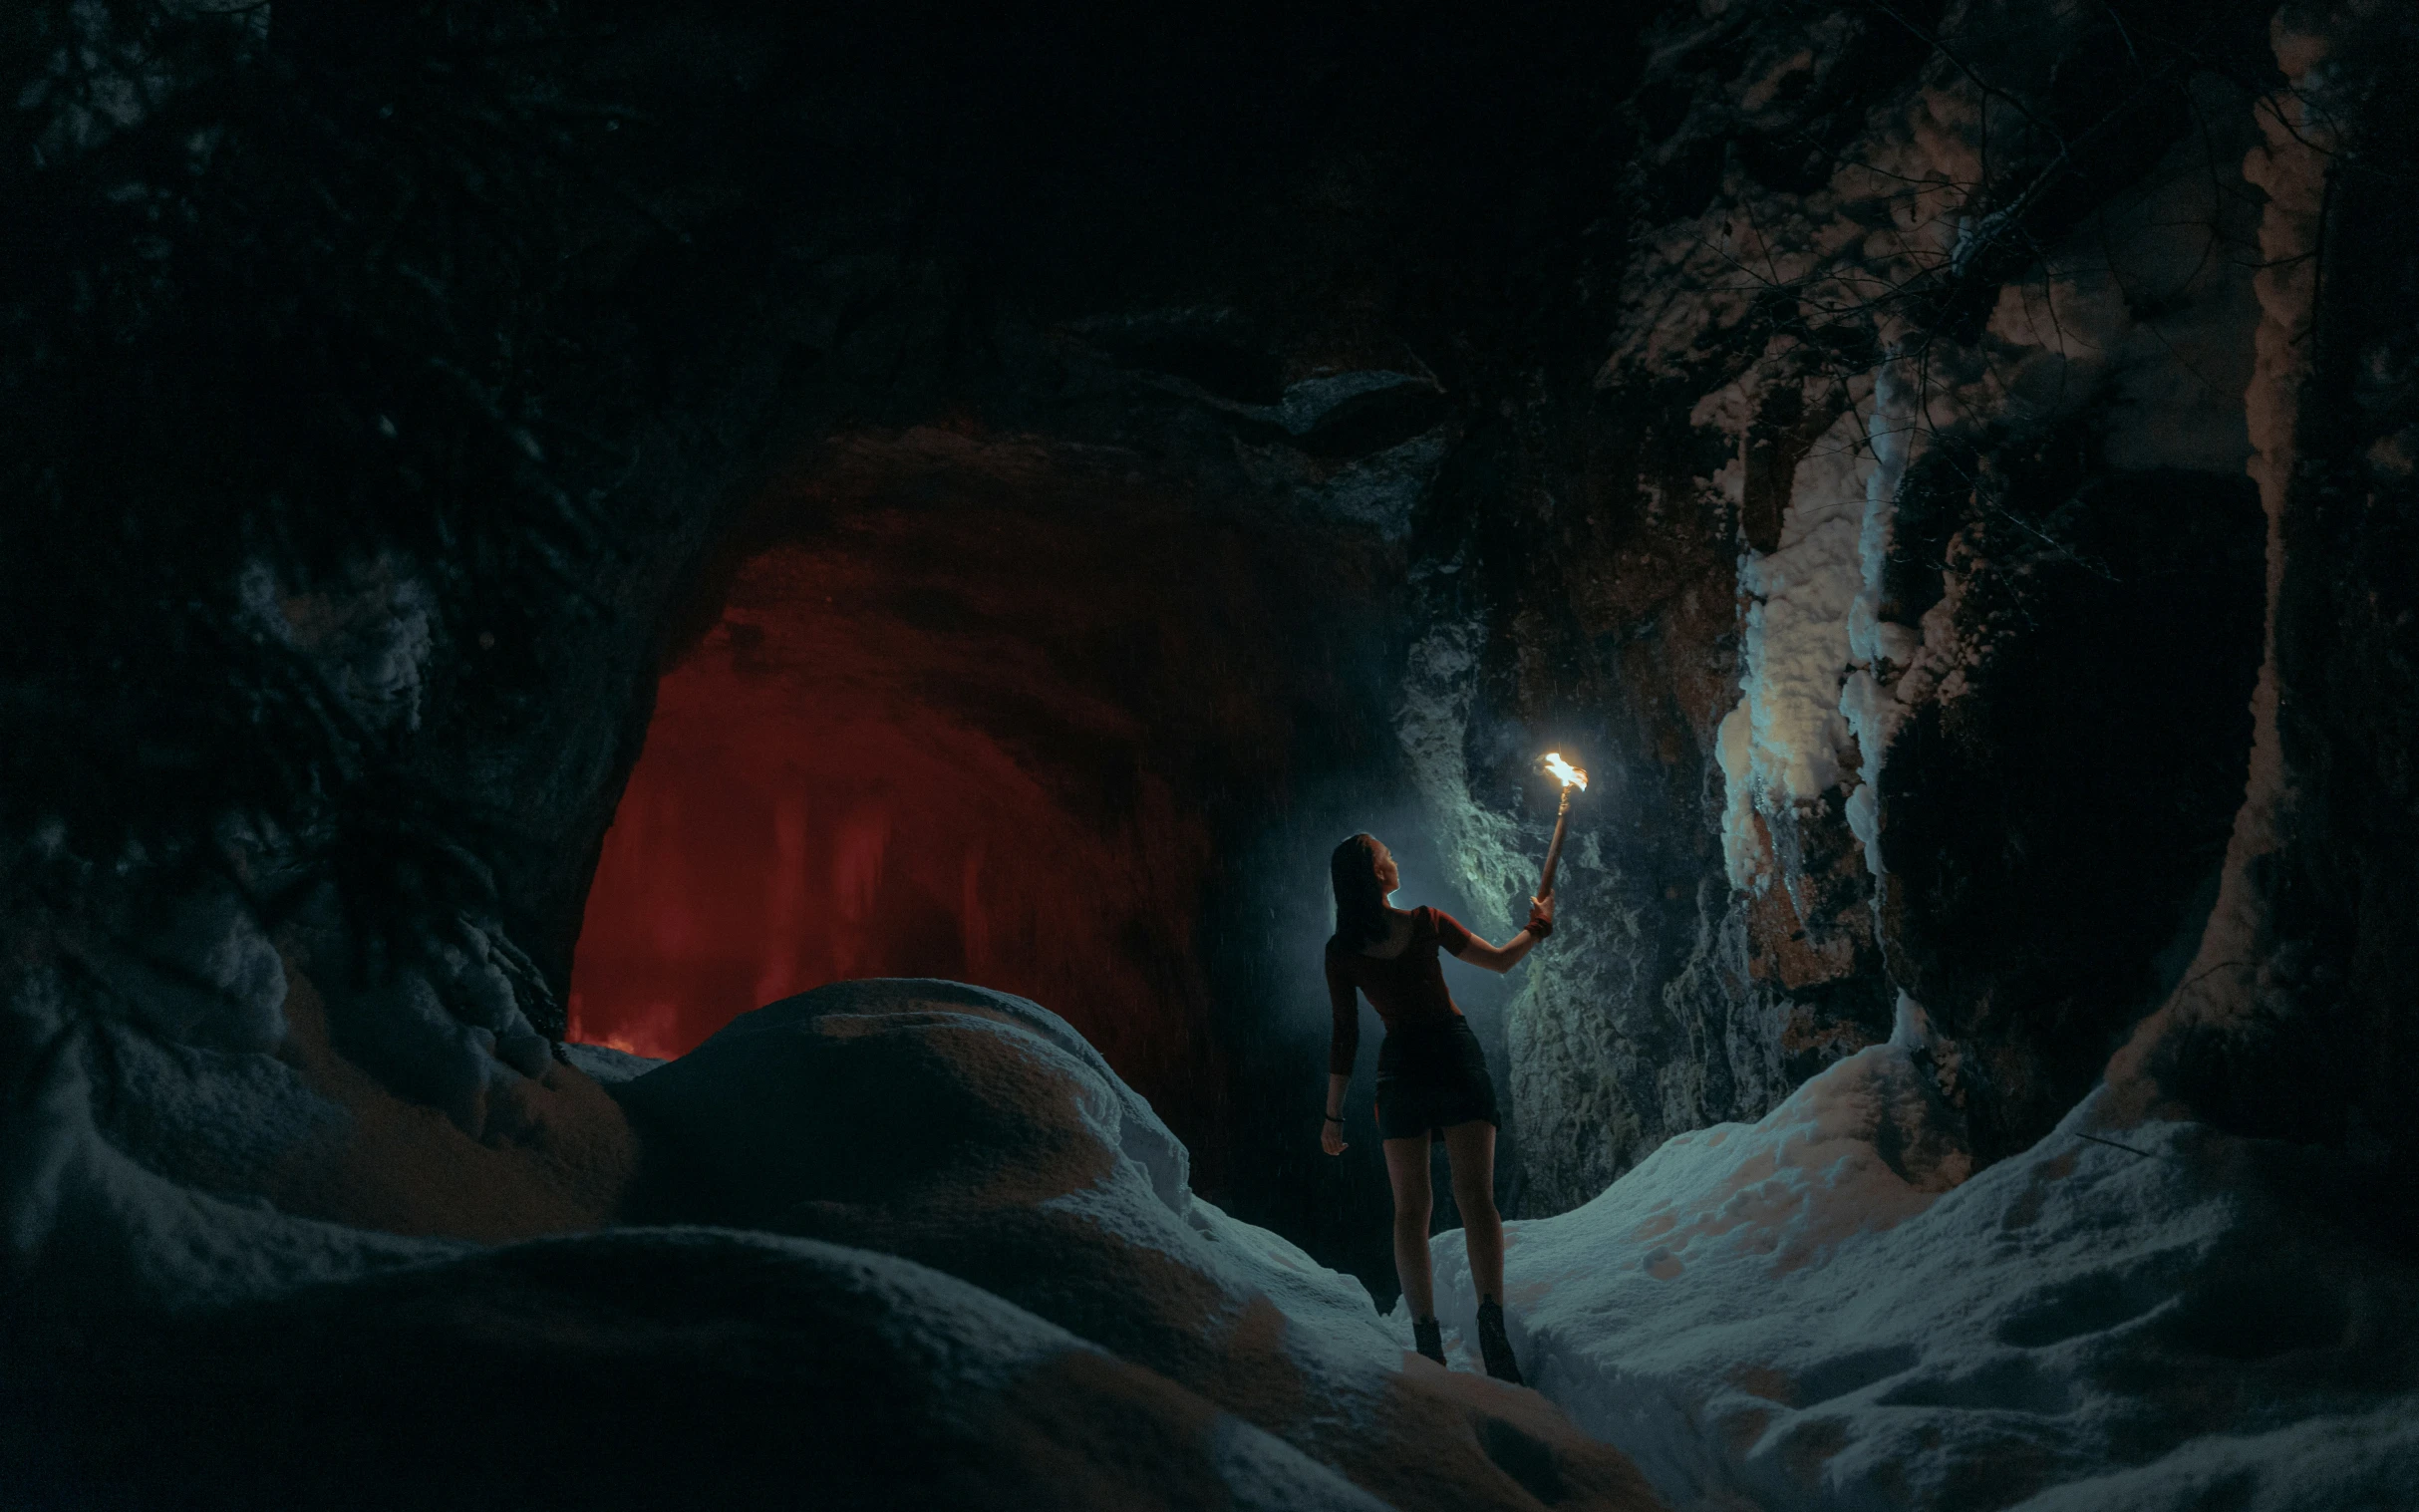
(2127, 1148)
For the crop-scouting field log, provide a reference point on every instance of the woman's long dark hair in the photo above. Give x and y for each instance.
(1360, 901)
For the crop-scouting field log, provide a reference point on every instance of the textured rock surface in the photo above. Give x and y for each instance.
(1898, 568)
(2286, 1017)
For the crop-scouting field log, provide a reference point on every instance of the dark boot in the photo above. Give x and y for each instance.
(1428, 1338)
(1494, 1345)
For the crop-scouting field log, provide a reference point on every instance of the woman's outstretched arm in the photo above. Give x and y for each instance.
(1502, 957)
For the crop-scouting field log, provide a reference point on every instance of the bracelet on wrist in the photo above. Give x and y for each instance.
(1334, 1119)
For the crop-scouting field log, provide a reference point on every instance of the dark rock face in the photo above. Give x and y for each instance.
(2054, 837)
(2315, 1039)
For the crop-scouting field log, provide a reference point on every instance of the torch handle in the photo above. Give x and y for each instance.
(1562, 822)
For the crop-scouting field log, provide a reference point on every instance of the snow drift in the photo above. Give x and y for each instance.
(976, 1133)
(1810, 1312)
(916, 1245)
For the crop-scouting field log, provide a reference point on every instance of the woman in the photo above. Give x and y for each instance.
(1431, 1077)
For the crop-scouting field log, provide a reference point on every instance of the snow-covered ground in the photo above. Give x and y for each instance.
(979, 1134)
(890, 1192)
(1817, 1311)
(1823, 1310)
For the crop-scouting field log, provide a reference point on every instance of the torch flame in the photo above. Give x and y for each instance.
(1571, 775)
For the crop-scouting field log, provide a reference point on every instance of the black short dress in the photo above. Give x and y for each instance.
(1431, 1073)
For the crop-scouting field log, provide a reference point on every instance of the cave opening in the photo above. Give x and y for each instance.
(959, 705)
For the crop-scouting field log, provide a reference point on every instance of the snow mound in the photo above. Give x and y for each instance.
(1811, 1312)
(979, 1134)
(980, 1278)
(658, 1368)
(603, 1062)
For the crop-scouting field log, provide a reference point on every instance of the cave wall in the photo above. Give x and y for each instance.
(2345, 623)
(1827, 426)
(2291, 1019)
(1895, 557)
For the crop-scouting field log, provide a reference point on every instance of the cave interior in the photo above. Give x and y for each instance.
(679, 683)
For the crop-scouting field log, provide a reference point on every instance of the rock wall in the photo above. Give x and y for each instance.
(1897, 563)
(2290, 1022)
(2346, 649)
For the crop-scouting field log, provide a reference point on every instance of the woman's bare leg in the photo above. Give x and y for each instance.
(1471, 1148)
(1406, 1166)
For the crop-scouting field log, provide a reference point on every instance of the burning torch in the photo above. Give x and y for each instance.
(1570, 777)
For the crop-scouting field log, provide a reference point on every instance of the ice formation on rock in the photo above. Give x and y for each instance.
(959, 1211)
(1782, 745)
(2073, 331)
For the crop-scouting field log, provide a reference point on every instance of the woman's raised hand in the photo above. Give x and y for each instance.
(1542, 908)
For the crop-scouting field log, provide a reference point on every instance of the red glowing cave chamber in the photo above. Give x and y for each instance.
(887, 760)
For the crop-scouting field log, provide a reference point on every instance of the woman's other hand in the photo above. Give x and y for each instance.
(1331, 1138)
(1542, 908)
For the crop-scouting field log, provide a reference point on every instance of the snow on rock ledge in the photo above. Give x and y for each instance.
(1801, 1314)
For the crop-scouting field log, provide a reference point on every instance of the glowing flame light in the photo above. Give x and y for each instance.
(1571, 775)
